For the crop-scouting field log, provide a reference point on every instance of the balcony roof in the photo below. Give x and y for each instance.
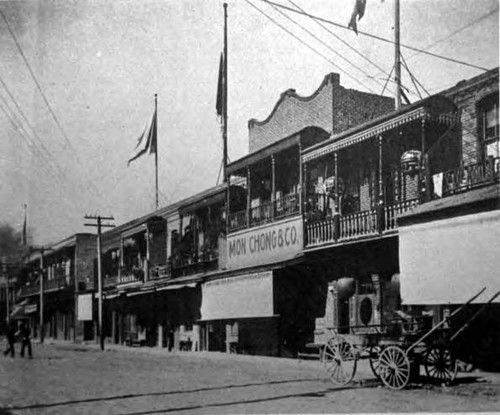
(436, 108)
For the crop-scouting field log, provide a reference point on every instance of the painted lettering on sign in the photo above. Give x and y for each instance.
(276, 242)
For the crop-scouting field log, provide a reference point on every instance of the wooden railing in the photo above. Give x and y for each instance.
(129, 276)
(287, 205)
(355, 225)
(392, 212)
(237, 220)
(320, 232)
(261, 214)
(266, 212)
(160, 271)
(358, 224)
(470, 176)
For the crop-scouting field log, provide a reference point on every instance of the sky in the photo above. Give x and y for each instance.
(99, 63)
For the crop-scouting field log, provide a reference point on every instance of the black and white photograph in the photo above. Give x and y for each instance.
(249, 206)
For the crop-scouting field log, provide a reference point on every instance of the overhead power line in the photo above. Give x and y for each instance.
(323, 43)
(308, 46)
(375, 36)
(49, 107)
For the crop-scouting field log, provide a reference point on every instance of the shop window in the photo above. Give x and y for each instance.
(489, 126)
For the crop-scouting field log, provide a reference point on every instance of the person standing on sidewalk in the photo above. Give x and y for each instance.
(11, 339)
(24, 332)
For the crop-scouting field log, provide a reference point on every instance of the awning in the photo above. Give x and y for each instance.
(263, 154)
(177, 286)
(23, 310)
(434, 108)
(243, 296)
(447, 261)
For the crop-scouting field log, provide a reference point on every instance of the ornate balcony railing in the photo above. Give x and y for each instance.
(261, 214)
(358, 224)
(286, 206)
(265, 212)
(473, 175)
(128, 276)
(392, 212)
(355, 225)
(160, 272)
(238, 220)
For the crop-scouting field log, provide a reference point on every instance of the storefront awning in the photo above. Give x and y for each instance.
(23, 310)
(447, 261)
(177, 286)
(243, 296)
(434, 108)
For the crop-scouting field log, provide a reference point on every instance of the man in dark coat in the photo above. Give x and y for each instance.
(11, 339)
(24, 332)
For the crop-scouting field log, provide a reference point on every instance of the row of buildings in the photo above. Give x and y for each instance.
(344, 211)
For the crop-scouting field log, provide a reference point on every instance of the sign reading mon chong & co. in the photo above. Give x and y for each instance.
(266, 244)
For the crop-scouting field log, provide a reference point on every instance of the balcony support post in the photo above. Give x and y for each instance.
(228, 204)
(336, 213)
(249, 196)
(148, 253)
(304, 188)
(424, 179)
(299, 190)
(380, 205)
(273, 186)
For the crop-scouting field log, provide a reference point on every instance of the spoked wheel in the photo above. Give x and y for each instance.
(374, 360)
(440, 364)
(394, 367)
(340, 360)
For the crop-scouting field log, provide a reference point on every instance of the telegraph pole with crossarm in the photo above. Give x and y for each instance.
(99, 225)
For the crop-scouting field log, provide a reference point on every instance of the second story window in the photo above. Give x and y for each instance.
(489, 125)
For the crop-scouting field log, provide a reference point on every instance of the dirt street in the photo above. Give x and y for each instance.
(74, 379)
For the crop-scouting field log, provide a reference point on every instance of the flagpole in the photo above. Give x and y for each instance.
(224, 99)
(397, 54)
(156, 150)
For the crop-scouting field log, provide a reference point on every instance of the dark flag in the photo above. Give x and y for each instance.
(357, 14)
(147, 142)
(25, 238)
(220, 87)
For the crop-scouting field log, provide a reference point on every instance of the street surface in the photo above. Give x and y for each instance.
(77, 379)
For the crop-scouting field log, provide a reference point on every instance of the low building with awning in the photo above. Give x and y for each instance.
(449, 249)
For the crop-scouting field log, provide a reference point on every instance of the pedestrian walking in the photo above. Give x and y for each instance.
(24, 332)
(11, 339)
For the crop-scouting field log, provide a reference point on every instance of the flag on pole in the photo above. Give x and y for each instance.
(357, 14)
(220, 87)
(147, 141)
(25, 238)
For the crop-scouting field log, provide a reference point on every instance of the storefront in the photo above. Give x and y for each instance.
(238, 314)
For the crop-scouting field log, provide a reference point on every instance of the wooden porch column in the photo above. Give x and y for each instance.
(300, 180)
(336, 213)
(121, 263)
(228, 205)
(273, 186)
(304, 188)
(380, 206)
(424, 174)
(249, 196)
(148, 253)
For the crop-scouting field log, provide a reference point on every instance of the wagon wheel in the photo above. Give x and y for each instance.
(374, 360)
(440, 364)
(394, 367)
(340, 360)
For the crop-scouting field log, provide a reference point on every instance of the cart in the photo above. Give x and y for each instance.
(396, 351)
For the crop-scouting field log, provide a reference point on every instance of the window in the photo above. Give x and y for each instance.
(489, 126)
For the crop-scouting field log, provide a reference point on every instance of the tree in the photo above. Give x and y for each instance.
(11, 244)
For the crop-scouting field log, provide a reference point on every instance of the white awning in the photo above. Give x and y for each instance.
(448, 261)
(177, 286)
(243, 296)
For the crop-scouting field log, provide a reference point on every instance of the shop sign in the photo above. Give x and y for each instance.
(268, 244)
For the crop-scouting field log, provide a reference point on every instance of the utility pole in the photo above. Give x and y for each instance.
(397, 54)
(224, 100)
(42, 272)
(99, 225)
